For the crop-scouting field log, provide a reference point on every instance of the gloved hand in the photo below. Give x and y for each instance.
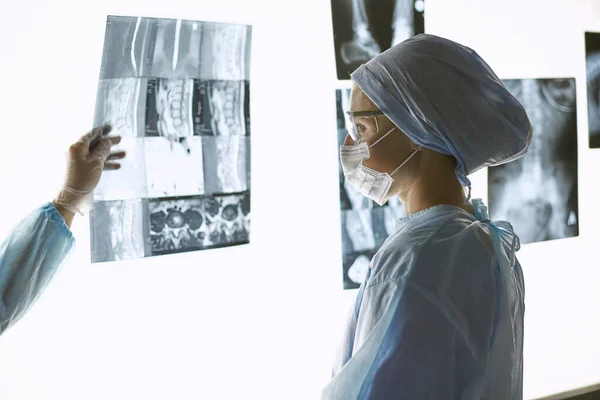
(85, 166)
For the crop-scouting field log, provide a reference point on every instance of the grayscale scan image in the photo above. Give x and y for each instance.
(537, 194)
(178, 92)
(365, 224)
(169, 108)
(122, 101)
(363, 29)
(592, 61)
(197, 223)
(119, 230)
(226, 164)
(221, 108)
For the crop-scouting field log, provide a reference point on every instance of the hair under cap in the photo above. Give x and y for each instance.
(446, 98)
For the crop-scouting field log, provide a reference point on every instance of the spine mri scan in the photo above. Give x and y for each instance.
(177, 91)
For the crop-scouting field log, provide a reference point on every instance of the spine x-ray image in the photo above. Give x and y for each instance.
(136, 47)
(178, 92)
(177, 108)
(221, 108)
(363, 29)
(537, 194)
(169, 108)
(226, 164)
(197, 223)
(592, 58)
(122, 101)
(119, 230)
(365, 224)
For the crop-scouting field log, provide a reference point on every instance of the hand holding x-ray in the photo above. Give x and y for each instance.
(86, 159)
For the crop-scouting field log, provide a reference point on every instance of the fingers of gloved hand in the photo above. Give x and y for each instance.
(100, 131)
(117, 155)
(82, 146)
(115, 140)
(111, 166)
(102, 150)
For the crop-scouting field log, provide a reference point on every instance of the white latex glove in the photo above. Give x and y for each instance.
(85, 166)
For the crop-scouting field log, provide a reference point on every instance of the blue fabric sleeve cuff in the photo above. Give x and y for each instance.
(54, 215)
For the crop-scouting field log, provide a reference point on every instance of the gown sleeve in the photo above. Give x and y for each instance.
(29, 259)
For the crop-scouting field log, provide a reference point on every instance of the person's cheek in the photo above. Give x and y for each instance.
(377, 161)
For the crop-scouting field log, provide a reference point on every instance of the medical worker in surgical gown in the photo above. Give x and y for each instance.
(37, 246)
(440, 313)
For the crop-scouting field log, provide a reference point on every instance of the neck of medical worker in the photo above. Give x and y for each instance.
(430, 190)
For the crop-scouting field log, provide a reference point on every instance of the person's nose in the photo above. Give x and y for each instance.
(348, 141)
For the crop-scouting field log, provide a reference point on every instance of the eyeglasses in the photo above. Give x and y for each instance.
(353, 129)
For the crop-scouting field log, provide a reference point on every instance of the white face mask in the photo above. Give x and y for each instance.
(370, 183)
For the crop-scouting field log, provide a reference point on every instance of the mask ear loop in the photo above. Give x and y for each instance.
(383, 137)
(417, 149)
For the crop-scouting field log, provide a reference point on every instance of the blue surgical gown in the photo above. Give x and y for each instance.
(440, 314)
(29, 258)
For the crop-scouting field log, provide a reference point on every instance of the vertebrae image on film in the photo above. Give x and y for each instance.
(178, 92)
(363, 29)
(537, 194)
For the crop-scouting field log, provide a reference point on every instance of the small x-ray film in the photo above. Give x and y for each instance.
(592, 61)
(178, 93)
(119, 230)
(537, 194)
(363, 29)
(123, 103)
(356, 265)
(198, 223)
(365, 224)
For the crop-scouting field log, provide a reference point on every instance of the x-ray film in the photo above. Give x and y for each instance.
(174, 168)
(137, 47)
(123, 103)
(363, 29)
(128, 47)
(537, 194)
(365, 224)
(225, 52)
(221, 108)
(226, 164)
(198, 223)
(119, 230)
(592, 56)
(356, 265)
(129, 182)
(169, 108)
(177, 92)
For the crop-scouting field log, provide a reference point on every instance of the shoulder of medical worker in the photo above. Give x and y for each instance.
(431, 244)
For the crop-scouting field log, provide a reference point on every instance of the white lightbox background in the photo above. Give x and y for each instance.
(259, 320)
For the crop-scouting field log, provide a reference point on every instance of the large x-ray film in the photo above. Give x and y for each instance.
(592, 61)
(178, 92)
(537, 194)
(365, 224)
(363, 29)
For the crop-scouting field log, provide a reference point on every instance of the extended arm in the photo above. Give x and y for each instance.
(29, 258)
(38, 245)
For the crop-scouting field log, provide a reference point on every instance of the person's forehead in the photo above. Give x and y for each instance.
(359, 101)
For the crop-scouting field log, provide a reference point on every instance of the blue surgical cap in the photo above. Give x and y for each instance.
(446, 98)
